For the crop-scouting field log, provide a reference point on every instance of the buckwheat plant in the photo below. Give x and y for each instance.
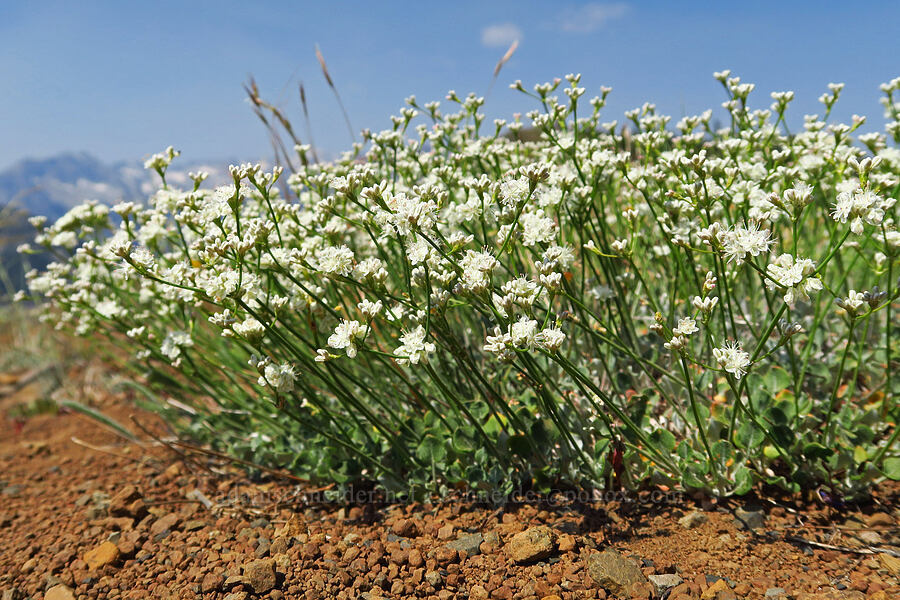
(449, 306)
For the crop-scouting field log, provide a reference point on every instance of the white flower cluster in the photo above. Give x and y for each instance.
(438, 265)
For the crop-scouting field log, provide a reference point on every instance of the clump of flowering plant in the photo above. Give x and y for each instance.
(449, 305)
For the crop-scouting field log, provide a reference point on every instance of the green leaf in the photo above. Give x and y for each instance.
(776, 415)
(493, 426)
(663, 439)
(431, 449)
(694, 477)
(891, 468)
(783, 435)
(98, 416)
(743, 480)
(749, 436)
(463, 442)
(816, 450)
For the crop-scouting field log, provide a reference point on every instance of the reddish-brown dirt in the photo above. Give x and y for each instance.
(86, 514)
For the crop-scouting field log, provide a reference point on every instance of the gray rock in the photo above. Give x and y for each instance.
(533, 544)
(749, 519)
(404, 543)
(433, 578)
(663, 582)
(693, 519)
(262, 550)
(52, 581)
(613, 572)
(470, 544)
(776, 593)
(492, 538)
(871, 538)
(11, 490)
(95, 512)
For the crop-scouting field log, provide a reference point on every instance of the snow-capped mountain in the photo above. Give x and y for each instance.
(51, 186)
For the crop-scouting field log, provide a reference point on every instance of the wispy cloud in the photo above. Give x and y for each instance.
(591, 17)
(502, 34)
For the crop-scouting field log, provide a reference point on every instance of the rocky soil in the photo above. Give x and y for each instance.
(85, 514)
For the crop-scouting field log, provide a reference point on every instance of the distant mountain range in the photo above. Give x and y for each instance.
(52, 186)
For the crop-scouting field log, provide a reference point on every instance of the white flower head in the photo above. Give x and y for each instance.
(523, 332)
(859, 206)
(733, 358)
(174, 342)
(854, 303)
(797, 276)
(335, 260)
(705, 305)
(685, 327)
(280, 377)
(514, 191)
(742, 240)
(536, 228)
(413, 349)
(251, 329)
(370, 309)
(550, 339)
(476, 270)
(347, 335)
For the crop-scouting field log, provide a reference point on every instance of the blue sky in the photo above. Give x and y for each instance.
(125, 79)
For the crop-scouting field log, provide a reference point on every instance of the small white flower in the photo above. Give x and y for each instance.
(514, 191)
(536, 228)
(500, 344)
(795, 275)
(411, 214)
(619, 246)
(685, 327)
(705, 304)
(347, 335)
(733, 358)
(413, 348)
(280, 377)
(741, 241)
(251, 329)
(476, 270)
(859, 206)
(109, 309)
(161, 160)
(335, 260)
(677, 343)
(550, 339)
(523, 332)
(136, 332)
(371, 269)
(174, 342)
(853, 303)
(418, 251)
(370, 309)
